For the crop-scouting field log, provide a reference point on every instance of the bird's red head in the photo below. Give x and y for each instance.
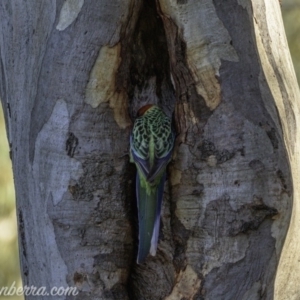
(143, 109)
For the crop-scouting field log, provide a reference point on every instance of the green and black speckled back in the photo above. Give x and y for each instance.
(153, 127)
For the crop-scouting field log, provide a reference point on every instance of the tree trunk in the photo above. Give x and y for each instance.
(74, 73)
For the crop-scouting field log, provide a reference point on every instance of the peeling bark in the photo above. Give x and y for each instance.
(74, 74)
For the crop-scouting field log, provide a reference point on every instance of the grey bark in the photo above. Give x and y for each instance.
(74, 73)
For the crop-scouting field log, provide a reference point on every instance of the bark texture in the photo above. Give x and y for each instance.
(73, 75)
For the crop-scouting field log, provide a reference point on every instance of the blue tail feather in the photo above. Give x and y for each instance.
(159, 197)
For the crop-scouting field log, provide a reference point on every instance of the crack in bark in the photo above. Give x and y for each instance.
(21, 226)
(149, 58)
(71, 144)
(144, 71)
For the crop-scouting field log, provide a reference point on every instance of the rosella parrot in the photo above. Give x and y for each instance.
(151, 145)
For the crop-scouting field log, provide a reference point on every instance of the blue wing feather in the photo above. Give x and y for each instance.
(159, 165)
(159, 197)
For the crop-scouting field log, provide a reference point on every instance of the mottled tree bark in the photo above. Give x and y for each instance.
(74, 73)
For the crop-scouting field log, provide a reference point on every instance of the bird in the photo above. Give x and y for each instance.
(151, 145)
